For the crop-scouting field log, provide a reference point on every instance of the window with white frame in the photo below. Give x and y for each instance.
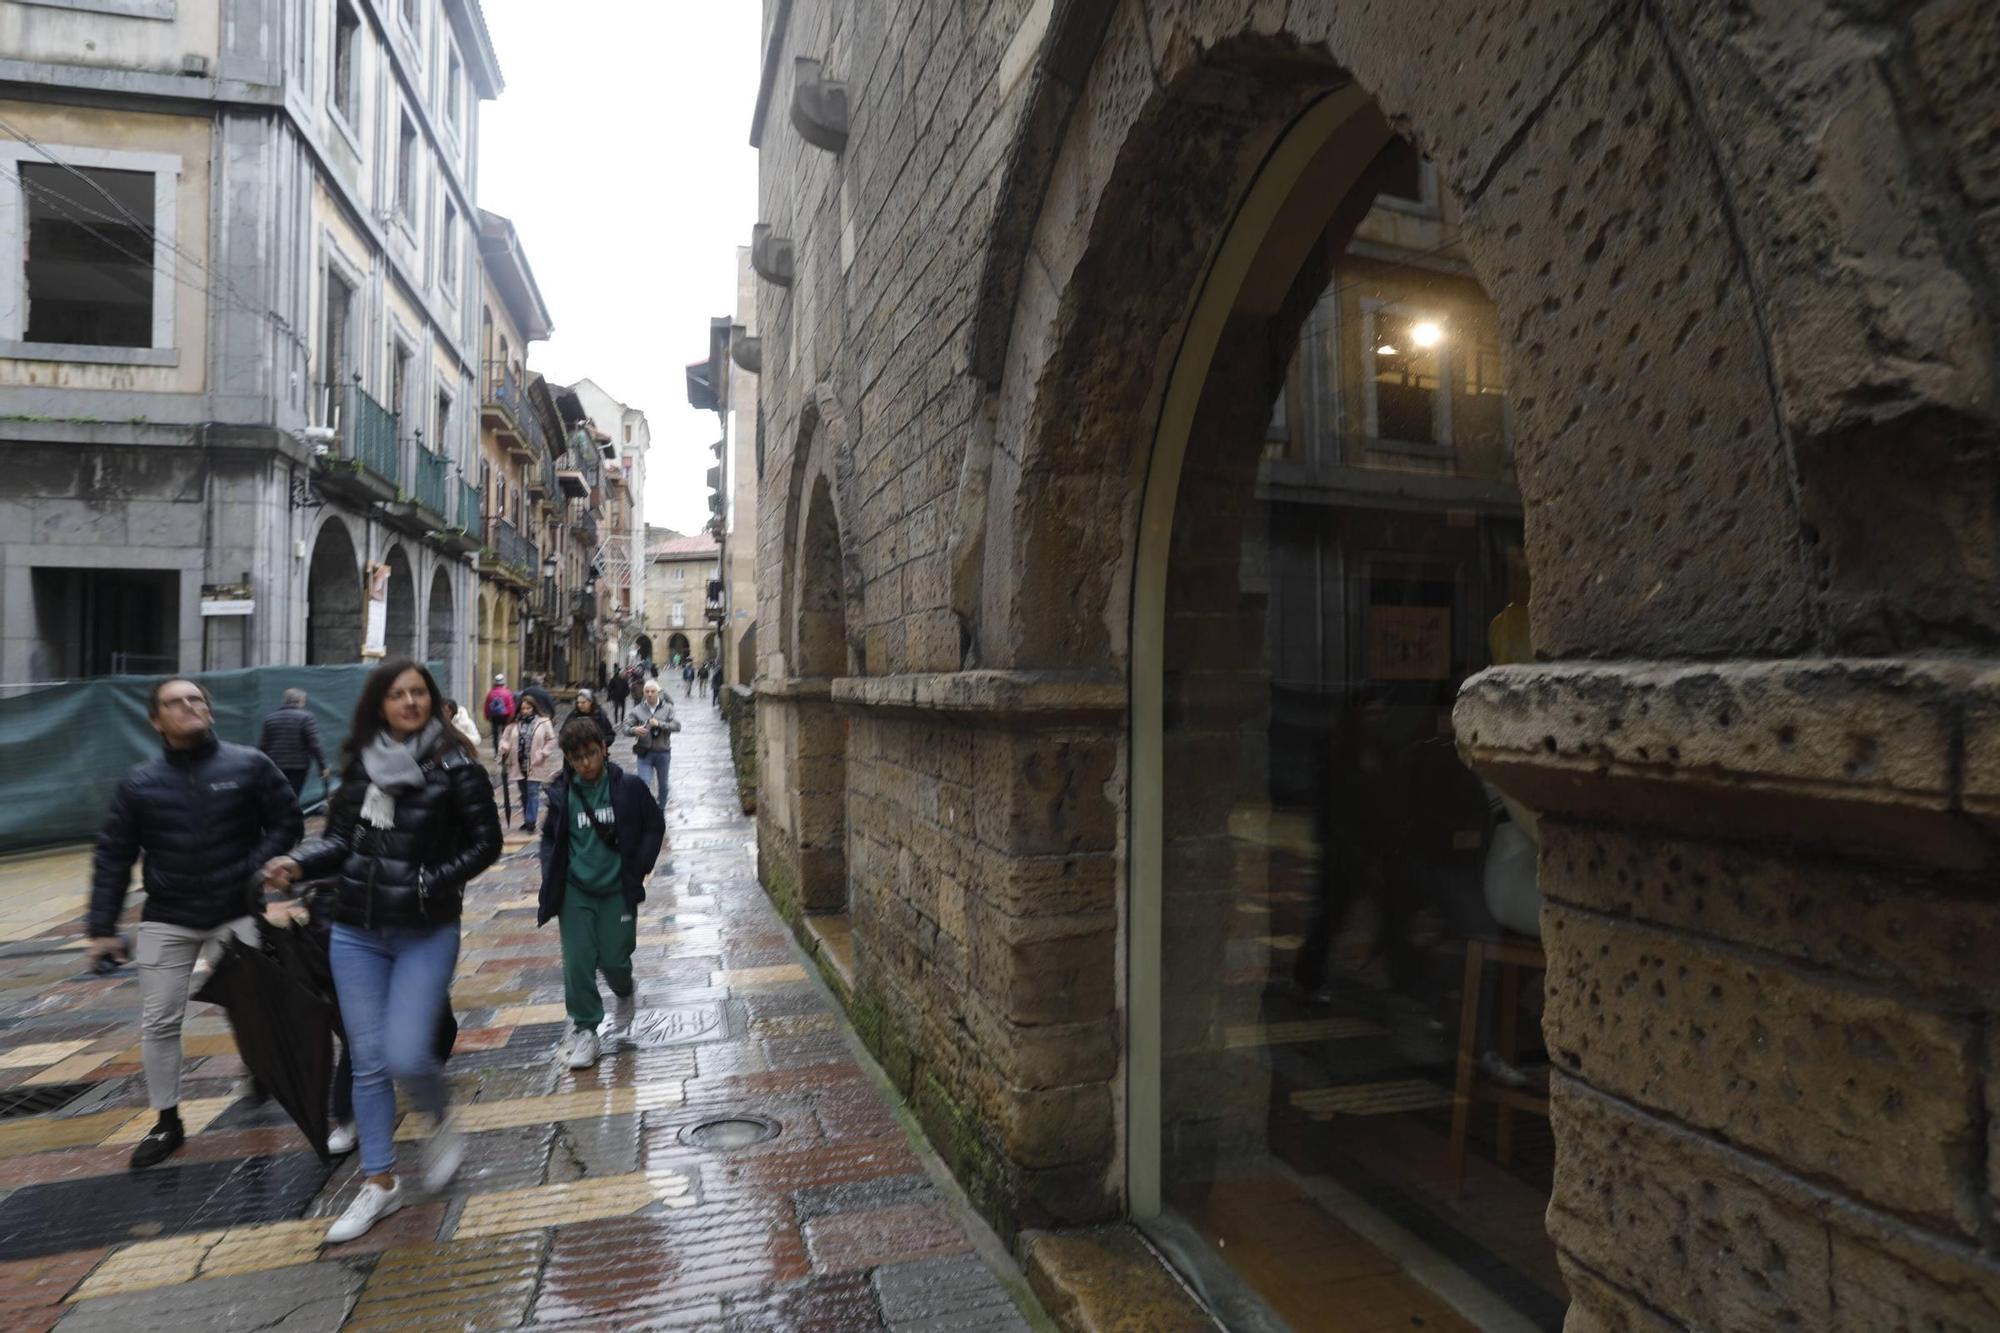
(93, 232)
(344, 89)
(443, 418)
(336, 345)
(448, 248)
(406, 169)
(680, 613)
(454, 82)
(401, 358)
(412, 17)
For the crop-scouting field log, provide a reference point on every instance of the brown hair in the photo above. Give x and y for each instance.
(153, 698)
(368, 724)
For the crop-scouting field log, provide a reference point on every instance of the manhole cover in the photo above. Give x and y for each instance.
(730, 1132)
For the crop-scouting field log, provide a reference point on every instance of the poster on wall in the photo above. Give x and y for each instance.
(1409, 642)
(374, 642)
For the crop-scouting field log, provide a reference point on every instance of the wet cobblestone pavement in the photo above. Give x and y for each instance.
(586, 1201)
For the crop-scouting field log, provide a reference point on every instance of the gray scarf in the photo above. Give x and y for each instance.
(393, 768)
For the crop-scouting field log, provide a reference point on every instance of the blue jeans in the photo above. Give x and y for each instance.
(394, 984)
(531, 800)
(655, 762)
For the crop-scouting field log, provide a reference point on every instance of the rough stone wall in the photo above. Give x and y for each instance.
(1745, 261)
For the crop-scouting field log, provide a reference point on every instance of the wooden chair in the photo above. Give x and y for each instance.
(1517, 956)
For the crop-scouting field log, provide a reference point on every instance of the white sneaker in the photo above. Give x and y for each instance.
(340, 1139)
(369, 1207)
(624, 1008)
(444, 1154)
(582, 1053)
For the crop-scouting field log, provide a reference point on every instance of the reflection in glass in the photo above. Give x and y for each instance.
(1354, 1092)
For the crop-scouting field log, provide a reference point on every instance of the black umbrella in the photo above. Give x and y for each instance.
(279, 995)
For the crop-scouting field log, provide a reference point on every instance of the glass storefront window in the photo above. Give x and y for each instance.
(1354, 1092)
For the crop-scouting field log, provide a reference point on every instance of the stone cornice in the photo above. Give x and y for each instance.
(1893, 759)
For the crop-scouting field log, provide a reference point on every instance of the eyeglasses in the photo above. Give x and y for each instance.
(186, 703)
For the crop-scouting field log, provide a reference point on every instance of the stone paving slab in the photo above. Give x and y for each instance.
(583, 1204)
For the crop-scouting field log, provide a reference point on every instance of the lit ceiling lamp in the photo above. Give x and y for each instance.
(1426, 334)
(1385, 349)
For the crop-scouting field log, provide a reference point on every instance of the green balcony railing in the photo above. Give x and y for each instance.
(471, 505)
(430, 482)
(368, 434)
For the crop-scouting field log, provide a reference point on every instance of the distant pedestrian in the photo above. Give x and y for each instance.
(529, 756)
(617, 692)
(290, 737)
(462, 723)
(413, 822)
(701, 679)
(499, 708)
(652, 727)
(687, 680)
(600, 839)
(588, 708)
(203, 815)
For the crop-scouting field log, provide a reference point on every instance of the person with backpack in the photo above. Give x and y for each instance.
(600, 839)
(499, 710)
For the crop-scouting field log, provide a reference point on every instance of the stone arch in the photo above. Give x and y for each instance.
(441, 629)
(822, 651)
(400, 631)
(333, 597)
(677, 647)
(822, 453)
(1690, 480)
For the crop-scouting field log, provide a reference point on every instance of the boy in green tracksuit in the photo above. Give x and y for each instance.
(601, 835)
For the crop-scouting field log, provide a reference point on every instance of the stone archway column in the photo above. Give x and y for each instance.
(1769, 970)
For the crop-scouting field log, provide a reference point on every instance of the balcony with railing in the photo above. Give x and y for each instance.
(504, 409)
(514, 556)
(471, 508)
(362, 460)
(430, 485)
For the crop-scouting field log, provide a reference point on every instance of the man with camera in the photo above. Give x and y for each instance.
(651, 725)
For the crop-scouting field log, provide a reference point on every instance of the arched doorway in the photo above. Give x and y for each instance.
(709, 647)
(644, 646)
(400, 628)
(333, 598)
(441, 630)
(1330, 525)
(677, 649)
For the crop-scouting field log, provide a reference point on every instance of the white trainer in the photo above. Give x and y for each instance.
(340, 1138)
(582, 1052)
(624, 1008)
(444, 1154)
(374, 1203)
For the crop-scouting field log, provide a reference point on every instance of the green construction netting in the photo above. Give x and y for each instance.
(64, 749)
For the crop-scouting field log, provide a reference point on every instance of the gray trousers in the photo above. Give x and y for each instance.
(166, 956)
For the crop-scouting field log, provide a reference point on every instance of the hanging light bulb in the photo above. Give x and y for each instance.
(1426, 334)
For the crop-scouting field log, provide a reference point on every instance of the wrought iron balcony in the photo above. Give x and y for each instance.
(430, 483)
(517, 555)
(471, 507)
(363, 458)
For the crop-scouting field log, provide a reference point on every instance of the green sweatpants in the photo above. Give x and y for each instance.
(599, 933)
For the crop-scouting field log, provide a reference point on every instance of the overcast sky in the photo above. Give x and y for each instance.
(621, 151)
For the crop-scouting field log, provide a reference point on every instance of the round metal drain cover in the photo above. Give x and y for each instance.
(731, 1132)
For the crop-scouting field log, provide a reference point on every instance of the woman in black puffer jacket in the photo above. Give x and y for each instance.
(412, 823)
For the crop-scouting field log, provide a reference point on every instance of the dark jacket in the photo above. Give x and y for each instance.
(291, 738)
(206, 820)
(412, 874)
(641, 830)
(619, 689)
(596, 715)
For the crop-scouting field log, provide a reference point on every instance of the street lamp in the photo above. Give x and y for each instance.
(548, 567)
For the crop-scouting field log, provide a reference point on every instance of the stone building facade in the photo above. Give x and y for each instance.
(238, 365)
(1035, 275)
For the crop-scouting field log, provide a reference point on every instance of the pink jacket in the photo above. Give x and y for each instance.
(544, 758)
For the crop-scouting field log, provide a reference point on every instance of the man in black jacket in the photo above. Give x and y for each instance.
(206, 816)
(600, 839)
(291, 737)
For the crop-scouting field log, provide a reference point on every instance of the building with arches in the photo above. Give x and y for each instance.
(1379, 637)
(238, 334)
